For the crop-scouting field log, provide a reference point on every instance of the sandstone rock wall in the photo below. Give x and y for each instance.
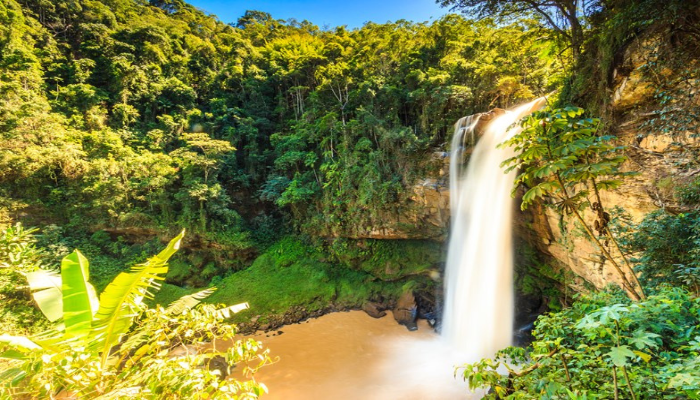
(427, 216)
(662, 159)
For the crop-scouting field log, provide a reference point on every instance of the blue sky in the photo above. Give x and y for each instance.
(353, 13)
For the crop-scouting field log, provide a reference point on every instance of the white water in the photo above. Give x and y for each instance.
(478, 311)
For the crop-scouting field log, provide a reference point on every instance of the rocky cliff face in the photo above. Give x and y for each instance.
(663, 155)
(426, 216)
(662, 149)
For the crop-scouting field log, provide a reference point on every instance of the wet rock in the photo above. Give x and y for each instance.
(522, 335)
(527, 305)
(373, 310)
(406, 311)
(218, 363)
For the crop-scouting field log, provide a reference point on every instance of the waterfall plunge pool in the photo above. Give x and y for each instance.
(350, 355)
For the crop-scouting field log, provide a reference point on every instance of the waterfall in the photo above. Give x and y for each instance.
(478, 311)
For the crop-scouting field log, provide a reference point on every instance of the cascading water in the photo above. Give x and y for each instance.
(478, 311)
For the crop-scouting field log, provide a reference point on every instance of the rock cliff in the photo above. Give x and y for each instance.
(662, 150)
(427, 214)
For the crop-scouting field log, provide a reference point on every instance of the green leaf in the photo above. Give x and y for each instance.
(644, 356)
(609, 184)
(188, 301)
(619, 355)
(531, 195)
(21, 342)
(588, 323)
(13, 374)
(610, 313)
(683, 379)
(227, 311)
(120, 301)
(13, 355)
(45, 287)
(642, 340)
(78, 298)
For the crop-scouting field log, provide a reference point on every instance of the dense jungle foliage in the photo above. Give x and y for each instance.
(142, 114)
(618, 343)
(123, 121)
(278, 144)
(609, 345)
(113, 346)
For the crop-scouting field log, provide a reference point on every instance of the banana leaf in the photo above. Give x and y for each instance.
(188, 302)
(45, 287)
(122, 299)
(79, 296)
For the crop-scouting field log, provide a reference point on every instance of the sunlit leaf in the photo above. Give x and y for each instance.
(45, 287)
(189, 301)
(620, 355)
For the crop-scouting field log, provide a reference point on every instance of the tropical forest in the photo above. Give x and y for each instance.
(498, 201)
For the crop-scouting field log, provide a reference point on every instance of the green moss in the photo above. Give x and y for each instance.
(179, 270)
(209, 270)
(388, 259)
(665, 183)
(535, 276)
(294, 274)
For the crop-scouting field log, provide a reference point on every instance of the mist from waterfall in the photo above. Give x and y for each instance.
(478, 311)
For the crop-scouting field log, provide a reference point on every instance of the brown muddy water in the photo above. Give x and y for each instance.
(349, 355)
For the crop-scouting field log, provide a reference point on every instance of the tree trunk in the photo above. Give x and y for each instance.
(576, 37)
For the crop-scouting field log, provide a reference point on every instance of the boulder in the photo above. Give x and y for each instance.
(406, 311)
(218, 363)
(373, 310)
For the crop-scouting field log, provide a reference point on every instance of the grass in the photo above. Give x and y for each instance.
(291, 276)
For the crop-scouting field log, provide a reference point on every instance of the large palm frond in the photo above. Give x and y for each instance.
(79, 298)
(45, 287)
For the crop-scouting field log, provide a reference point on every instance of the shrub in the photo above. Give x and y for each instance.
(664, 244)
(603, 347)
(116, 348)
(18, 254)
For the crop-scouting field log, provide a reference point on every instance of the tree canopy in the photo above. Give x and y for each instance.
(122, 113)
(565, 17)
